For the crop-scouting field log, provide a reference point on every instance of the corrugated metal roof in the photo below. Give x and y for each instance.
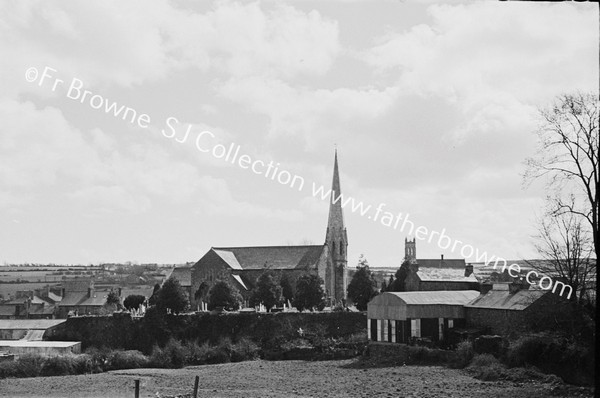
(430, 304)
(505, 300)
(40, 344)
(29, 323)
(454, 297)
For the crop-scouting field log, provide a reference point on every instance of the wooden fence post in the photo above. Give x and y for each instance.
(137, 389)
(196, 386)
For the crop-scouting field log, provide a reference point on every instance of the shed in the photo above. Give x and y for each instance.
(397, 317)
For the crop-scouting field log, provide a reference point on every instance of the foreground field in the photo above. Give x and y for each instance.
(283, 379)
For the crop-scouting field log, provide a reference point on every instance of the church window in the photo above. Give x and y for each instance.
(333, 247)
(341, 249)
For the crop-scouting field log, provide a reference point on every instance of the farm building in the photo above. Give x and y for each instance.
(29, 329)
(397, 317)
(21, 347)
(514, 307)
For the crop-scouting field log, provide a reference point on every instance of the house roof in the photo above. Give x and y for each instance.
(145, 291)
(273, 257)
(82, 299)
(444, 275)
(441, 263)
(7, 310)
(505, 300)
(183, 275)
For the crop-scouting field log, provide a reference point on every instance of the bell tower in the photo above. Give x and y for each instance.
(336, 240)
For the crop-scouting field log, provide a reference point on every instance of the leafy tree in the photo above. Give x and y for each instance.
(154, 296)
(309, 293)
(171, 296)
(267, 291)
(113, 298)
(362, 287)
(222, 294)
(390, 283)
(397, 284)
(287, 291)
(383, 286)
(133, 301)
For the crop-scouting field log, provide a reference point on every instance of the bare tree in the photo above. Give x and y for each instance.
(568, 155)
(566, 248)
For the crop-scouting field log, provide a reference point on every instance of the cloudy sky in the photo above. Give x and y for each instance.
(432, 108)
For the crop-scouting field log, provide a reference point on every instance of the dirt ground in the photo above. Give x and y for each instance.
(284, 379)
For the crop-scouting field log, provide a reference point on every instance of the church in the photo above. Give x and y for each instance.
(241, 266)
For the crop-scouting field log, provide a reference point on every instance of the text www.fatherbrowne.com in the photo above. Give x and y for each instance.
(206, 142)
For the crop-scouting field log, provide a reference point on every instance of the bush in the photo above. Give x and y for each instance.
(99, 358)
(131, 359)
(29, 365)
(60, 365)
(463, 355)
(83, 364)
(487, 368)
(8, 369)
(244, 350)
(420, 355)
(196, 354)
(173, 355)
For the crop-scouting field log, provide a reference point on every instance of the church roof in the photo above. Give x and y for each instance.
(273, 257)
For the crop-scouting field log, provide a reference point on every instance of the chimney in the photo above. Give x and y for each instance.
(442, 257)
(468, 270)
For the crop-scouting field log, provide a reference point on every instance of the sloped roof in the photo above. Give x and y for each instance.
(442, 297)
(7, 310)
(444, 275)
(183, 275)
(274, 257)
(28, 324)
(82, 299)
(145, 291)
(239, 280)
(439, 263)
(503, 299)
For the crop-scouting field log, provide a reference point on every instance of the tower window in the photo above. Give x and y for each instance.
(341, 249)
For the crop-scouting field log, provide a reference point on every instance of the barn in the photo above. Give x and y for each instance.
(396, 317)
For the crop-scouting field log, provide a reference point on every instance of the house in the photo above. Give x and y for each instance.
(437, 274)
(27, 305)
(398, 317)
(241, 266)
(82, 297)
(512, 307)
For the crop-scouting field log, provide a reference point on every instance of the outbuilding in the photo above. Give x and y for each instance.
(396, 317)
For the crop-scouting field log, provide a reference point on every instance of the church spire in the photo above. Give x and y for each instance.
(336, 214)
(336, 241)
